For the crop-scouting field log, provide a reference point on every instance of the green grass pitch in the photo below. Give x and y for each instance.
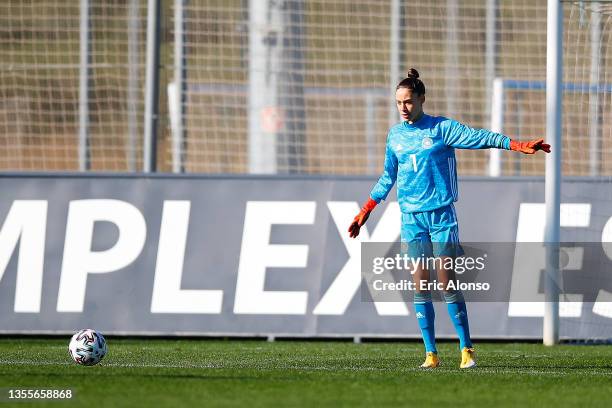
(174, 373)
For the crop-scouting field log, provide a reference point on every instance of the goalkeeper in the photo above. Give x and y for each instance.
(420, 155)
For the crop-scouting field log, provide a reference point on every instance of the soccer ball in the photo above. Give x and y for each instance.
(87, 347)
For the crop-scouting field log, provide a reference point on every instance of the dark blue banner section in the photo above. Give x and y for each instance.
(270, 256)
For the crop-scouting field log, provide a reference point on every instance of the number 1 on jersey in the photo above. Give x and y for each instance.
(414, 164)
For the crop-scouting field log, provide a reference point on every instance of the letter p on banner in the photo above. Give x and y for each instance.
(79, 259)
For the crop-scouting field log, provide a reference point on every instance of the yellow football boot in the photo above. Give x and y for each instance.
(431, 360)
(468, 358)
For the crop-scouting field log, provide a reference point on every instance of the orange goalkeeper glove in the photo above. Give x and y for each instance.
(361, 218)
(529, 147)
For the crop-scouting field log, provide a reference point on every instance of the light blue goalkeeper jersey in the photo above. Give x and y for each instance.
(421, 157)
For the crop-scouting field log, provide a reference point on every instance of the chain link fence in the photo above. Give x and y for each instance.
(292, 86)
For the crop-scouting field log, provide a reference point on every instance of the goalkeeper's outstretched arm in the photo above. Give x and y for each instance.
(460, 136)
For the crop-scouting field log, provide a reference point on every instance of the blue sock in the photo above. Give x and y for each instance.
(458, 314)
(425, 317)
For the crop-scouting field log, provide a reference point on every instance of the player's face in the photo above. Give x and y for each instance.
(409, 104)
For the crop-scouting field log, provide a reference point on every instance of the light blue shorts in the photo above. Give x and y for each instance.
(431, 233)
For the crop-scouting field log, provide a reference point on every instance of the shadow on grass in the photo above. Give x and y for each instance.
(114, 376)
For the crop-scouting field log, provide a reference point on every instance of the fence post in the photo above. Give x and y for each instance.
(151, 115)
(84, 82)
(179, 89)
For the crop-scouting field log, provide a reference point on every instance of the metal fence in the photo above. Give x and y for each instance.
(292, 86)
